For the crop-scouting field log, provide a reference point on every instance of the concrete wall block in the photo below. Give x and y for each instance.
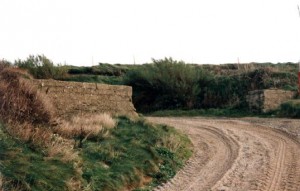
(72, 98)
(269, 99)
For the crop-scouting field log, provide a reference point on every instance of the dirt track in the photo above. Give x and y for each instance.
(238, 155)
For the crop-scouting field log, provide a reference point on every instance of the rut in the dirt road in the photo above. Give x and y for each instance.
(235, 155)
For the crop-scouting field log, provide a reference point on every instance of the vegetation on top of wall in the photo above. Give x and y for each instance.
(112, 80)
(41, 67)
(104, 69)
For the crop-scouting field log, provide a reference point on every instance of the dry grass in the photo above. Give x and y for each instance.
(29, 114)
(20, 101)
(86, 126)
(74, 185)
(39, 136)
(63, 148)
(171, 142)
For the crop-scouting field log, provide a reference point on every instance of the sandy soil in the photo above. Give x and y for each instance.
(238, 154)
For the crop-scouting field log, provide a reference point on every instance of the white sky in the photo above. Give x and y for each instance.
(82, 32)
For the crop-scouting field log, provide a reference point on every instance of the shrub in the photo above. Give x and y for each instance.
(166, 84)
(41, 67)
(290, 109)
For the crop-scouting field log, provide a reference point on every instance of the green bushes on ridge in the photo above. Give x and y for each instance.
(41, 67)
(169, 84)
(166, 84)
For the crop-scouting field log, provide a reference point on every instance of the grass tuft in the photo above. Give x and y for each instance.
(86, 126)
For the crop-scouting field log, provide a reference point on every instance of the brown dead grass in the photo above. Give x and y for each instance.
(87, 126)
(28, 114)
(20, 101)
(63, 148)
(73, 184)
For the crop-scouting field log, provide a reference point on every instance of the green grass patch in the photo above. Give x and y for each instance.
(207, 113)
(26, 169)
(113, 80)
(134, 153)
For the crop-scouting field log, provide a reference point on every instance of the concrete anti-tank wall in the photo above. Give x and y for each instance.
(72, 98)
(268, 99)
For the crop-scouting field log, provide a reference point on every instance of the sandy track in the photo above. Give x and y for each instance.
(235, 155)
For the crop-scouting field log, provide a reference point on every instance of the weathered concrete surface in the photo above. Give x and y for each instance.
(268, 99)
(72, 98)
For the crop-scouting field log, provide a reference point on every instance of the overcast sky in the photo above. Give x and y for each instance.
(86, 32)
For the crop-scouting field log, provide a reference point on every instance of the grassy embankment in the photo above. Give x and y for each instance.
(42, 152)
(132, 155)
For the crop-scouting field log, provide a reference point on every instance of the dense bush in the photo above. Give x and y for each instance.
(41, 67)
(166, 84)
(290, 109)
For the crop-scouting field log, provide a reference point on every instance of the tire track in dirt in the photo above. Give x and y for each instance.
(274, 184)
(194, 175)
(235, 155)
